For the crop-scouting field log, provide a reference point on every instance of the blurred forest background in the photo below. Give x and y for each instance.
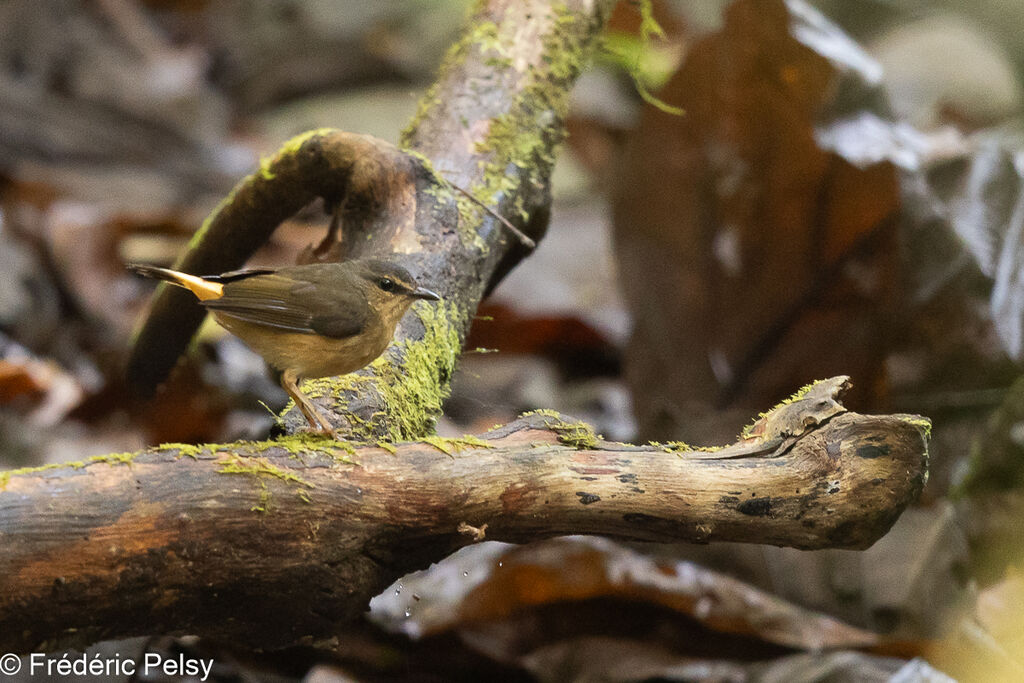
(843, 195)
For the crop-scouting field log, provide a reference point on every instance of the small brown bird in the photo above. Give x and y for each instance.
(308, 321)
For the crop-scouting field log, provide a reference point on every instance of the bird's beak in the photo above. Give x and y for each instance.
(423, 293)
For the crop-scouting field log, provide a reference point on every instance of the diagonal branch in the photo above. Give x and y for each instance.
(491, 125)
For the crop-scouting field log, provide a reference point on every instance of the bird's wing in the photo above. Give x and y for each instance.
(285, 303)
(235, 275)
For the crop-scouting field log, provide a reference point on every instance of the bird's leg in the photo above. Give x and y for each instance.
(316, 419)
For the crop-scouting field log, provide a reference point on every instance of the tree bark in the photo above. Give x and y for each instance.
(283, 542)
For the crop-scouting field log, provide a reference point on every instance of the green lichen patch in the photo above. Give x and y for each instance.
(439, 187)
(296, 445)
(451, 446)
(125, 458)
(471, 217)
(428, 166)
(426, 104)
(266, 163)
(520, 147)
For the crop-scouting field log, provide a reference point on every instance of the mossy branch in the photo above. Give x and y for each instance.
(490, 126)
(137, 544)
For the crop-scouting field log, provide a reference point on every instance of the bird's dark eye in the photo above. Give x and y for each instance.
(387, 284)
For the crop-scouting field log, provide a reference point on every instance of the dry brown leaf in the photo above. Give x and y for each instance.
(753, 257)
(489, 582)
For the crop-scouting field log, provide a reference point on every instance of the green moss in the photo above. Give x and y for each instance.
(125, 458)
(923, 424)
(334, 387)
(264, 503)
(426, 104)
(289, 148)
(578, 435)
(802, 392)
(110, 459)
(683, 447)
(748, 431)
(192, 450)
(525, 136)
(471, 217)
(264, 171)
(413, 386)
(545, 412)
(389, 447)
(482, 34)
(637, 56)
(261, 468)
(451, 446)
(428, 166)
(6, 475)
(292, 145)
(304, 442)
(528, 134)
(485, 35)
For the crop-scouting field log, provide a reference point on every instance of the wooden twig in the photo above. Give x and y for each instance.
(520, 235)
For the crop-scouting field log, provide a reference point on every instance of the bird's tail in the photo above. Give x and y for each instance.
(203, 289)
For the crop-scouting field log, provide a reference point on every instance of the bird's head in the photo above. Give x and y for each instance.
(389, 288)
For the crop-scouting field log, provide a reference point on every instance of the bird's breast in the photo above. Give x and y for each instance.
(311, 355)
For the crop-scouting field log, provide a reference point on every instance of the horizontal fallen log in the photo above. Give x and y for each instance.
(276, 543)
